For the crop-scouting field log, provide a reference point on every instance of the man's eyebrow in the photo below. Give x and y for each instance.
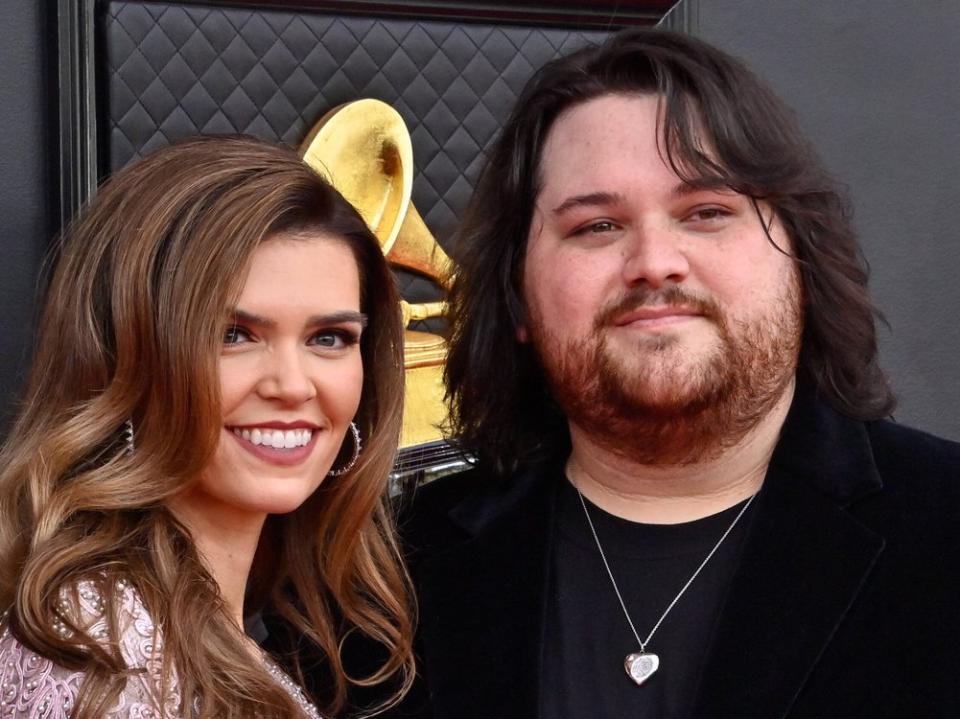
(592, 199)
(333, 318)
(685, 189)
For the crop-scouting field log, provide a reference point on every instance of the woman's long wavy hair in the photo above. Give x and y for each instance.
(132, 328)
(721, 127)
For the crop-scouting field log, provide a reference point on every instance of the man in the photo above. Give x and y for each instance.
(687, 501)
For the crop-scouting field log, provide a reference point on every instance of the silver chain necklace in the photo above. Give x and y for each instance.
(641, 665)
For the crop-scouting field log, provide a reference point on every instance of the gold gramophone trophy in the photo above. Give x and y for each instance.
(363, 149)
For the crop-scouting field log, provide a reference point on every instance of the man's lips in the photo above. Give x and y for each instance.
(658, 315)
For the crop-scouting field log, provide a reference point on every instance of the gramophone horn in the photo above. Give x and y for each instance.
(363, 148)
(416, 249)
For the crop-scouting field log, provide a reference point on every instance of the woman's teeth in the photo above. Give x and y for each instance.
(276, 438)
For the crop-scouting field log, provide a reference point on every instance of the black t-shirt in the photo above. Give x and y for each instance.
(587, 636)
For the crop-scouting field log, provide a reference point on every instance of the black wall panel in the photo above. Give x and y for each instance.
(174, 70)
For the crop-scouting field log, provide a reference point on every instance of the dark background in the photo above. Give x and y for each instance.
(27, 205)
(873, 82)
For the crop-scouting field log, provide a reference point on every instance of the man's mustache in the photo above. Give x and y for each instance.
(646, 296)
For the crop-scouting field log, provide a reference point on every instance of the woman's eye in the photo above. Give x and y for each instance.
(235, 335)
(334, 339)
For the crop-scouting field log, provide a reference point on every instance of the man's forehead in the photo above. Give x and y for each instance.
(586, 138)
(604, 110)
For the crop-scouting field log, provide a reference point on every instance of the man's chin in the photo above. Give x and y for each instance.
(668, 396)
(676, 376)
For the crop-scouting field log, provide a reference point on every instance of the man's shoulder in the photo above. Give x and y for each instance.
(423, 512)
(920, 472)
(457, 507)
(441, 495)
(901, 450)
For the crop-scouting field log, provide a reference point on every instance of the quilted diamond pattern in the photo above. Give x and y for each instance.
(175, 70)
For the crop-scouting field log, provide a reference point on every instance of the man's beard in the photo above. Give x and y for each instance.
(674, 412)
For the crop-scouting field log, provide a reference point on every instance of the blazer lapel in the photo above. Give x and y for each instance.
(802, 565)
(482, 605)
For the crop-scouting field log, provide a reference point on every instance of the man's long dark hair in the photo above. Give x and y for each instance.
(721, 127)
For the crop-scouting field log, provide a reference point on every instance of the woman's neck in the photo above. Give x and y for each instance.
(226, 540)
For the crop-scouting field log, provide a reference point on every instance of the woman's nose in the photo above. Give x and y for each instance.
(286, 378)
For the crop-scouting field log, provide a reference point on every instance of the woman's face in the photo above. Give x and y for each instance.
(290, 375)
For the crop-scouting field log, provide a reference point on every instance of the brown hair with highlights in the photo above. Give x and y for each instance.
(132, 328)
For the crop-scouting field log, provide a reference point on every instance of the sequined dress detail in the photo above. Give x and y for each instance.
(34, 687)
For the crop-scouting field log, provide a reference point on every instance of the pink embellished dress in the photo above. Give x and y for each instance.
(33, 687)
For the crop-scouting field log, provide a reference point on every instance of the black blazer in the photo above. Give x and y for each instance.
(844, 604)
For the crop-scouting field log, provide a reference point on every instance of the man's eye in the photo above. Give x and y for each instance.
(707, 214)
(602, 226)
(235, 335)
(596, 228)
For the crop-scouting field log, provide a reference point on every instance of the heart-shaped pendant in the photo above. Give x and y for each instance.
(641, 666)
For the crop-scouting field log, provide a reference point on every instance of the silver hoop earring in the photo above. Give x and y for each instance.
(126, 433)
(356, 453)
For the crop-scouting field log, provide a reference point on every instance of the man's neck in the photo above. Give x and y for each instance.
(656, 494)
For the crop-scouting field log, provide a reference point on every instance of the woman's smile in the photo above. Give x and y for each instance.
(277, 446)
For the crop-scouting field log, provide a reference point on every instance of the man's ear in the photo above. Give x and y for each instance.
(522, 333)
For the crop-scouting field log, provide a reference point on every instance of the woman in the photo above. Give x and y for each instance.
(221, 333)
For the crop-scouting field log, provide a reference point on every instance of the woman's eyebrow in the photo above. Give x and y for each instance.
(242, 317)
(335, 318)
(331, 318)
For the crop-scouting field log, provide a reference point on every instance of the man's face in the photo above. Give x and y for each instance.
(666, 321)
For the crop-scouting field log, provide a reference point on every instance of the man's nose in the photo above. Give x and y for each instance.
(653, 254)
(286, 377)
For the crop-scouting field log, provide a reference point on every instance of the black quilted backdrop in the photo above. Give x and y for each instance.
(174, 70)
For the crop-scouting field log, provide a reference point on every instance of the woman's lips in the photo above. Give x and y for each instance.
(295, 445)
